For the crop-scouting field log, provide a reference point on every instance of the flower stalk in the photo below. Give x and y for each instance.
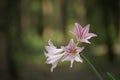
(93, 68)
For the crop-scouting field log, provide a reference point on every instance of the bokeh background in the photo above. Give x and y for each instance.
(27, 25)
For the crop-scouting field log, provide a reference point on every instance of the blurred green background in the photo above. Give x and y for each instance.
(27, 25)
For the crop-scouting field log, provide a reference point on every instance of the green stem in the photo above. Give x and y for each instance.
(77, 43)
(94, 69)
(111, 76)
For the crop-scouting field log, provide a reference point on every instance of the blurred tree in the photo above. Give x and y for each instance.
(80, 11)
(48, 13)
(10, 32)
(105, 13)
(25, 17)
(110, 13)
(36, 15)
(4, 20)
(64, 16)
(40, 16)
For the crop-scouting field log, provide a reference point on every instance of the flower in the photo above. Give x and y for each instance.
(82, 34)
(72, 53)
(53, 54)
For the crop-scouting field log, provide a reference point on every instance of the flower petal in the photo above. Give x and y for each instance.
(79, 49)
(89, 35)
(66, 57)
(85, 41)
(85, 30)
(54, 55)
(78, 27)
(71, 63)
(52, 50)
(71, 44)
(51, 44)
(54, 59)
(78, 59)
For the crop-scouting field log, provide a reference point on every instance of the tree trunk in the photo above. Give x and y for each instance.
(10, 17)
(107, 19)
(64, 16)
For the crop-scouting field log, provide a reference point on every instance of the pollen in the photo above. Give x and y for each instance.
(74, 52)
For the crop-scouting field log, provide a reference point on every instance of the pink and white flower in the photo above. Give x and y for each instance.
(54, 55)
(82, 34)
(72, 53)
